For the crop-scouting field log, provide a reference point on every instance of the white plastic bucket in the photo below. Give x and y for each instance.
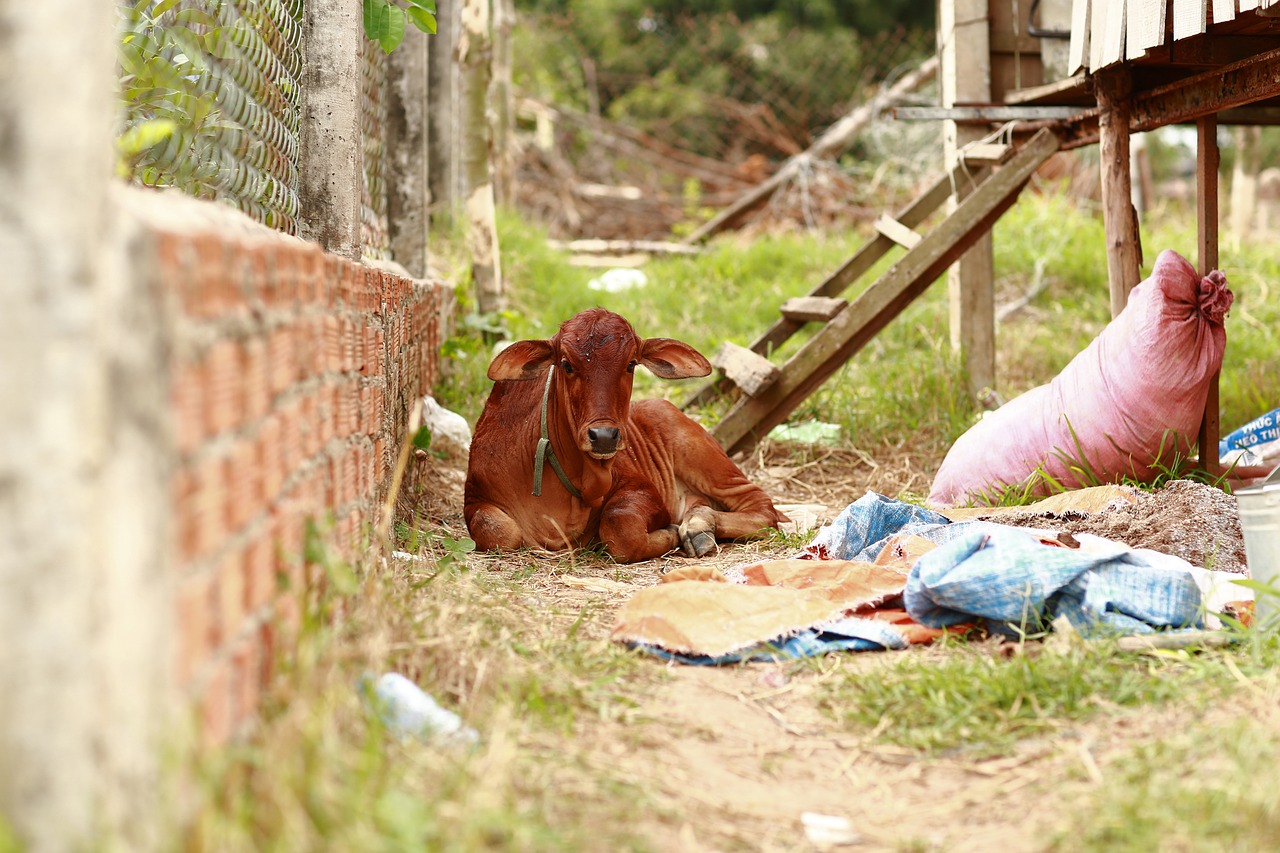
(1260, 521)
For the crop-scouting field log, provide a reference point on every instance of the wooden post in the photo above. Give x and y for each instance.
(332, 172)
(964, 42)
(1207, 238)
(1124, 247)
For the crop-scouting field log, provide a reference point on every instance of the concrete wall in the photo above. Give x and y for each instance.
(83, 476)
(180, 391)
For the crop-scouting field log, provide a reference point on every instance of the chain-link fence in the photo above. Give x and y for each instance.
(213, 101)
(212, 98)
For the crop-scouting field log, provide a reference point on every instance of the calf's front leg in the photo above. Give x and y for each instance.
(493, 529)
(634, 526)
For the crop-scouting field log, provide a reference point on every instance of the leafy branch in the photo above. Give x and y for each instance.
(384, 20)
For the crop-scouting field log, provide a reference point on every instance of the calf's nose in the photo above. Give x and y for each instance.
(603, 439)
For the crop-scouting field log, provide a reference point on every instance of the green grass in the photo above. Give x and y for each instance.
(978, 703)
(906, 387)
(1207, 788)
(321, 771)
(540, 683)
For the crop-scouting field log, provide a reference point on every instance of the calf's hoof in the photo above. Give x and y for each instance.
(698, 544)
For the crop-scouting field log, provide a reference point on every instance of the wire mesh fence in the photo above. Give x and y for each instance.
(213, 101)
(373, 196)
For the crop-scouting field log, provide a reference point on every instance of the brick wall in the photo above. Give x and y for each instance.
(290, 379)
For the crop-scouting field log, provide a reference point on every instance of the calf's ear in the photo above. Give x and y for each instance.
(673, 359)
(521, 360)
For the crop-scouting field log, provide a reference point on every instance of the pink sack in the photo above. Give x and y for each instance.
(1137, 391)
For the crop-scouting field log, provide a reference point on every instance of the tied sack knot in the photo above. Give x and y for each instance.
(1215, 297)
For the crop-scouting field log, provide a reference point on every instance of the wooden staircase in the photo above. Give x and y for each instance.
(770, 392)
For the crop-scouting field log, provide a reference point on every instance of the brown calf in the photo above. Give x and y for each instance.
(561, 458)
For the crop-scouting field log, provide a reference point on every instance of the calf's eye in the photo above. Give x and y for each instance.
(566, 366)
(631, 367)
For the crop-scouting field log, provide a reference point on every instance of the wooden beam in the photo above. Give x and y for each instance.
(751, 418)
(812, 309)
(897, 232)
(1245, 82)
(1120, 222)
(750, 372)
(915, 213)
(1207, 158)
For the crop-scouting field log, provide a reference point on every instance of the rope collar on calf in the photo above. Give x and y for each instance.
(544, 453)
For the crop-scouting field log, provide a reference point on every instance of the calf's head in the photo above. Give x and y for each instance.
(593, 358)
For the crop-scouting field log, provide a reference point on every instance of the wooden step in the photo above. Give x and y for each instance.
(751, 372)
(751, 417)
(986, 153)
(812, 309)
(897, 232)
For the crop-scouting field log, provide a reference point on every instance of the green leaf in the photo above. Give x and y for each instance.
(394, 32)
(376, 13)
(162, 7)
(422, 438)
(428, 5)
(142, 136)
(422, 19)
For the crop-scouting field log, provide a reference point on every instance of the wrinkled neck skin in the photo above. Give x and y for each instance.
(592, 477)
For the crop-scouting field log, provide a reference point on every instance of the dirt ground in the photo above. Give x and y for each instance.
(736, 756)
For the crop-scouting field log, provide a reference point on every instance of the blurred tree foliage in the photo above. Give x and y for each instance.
(725, 78)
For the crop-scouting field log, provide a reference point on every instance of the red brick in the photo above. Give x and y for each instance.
(291, 436)
(259, 573)
(184, 489)
(247, 667)
(305, 346)
(308, 426)
(223, 400)
(230, 598)
(348, 410)
(186, 396)
(349, 336)
(195, 627)
(266, 653)
(215, 705)
(209, 504)
(271, 457)
(244, 491)
(254, 379)
(207, 291)
(332, 344)
(282, 363)
(327, 412)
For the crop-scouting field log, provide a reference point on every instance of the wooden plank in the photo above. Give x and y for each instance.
(1224, 10)
(986, 153)
(915, 213)
(1146, 27)
(751, 418)
(1207, 159)
(812, 309)
(897, 232)
(1113, 40)
(1189, 18)
(1078, 47)
(1248, 5)
(1064, 88)
(1097, 33)
(750, 372)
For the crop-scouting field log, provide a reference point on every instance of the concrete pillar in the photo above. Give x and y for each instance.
(83, 692)
(407, 159)
(447, 189)
(332, 175)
